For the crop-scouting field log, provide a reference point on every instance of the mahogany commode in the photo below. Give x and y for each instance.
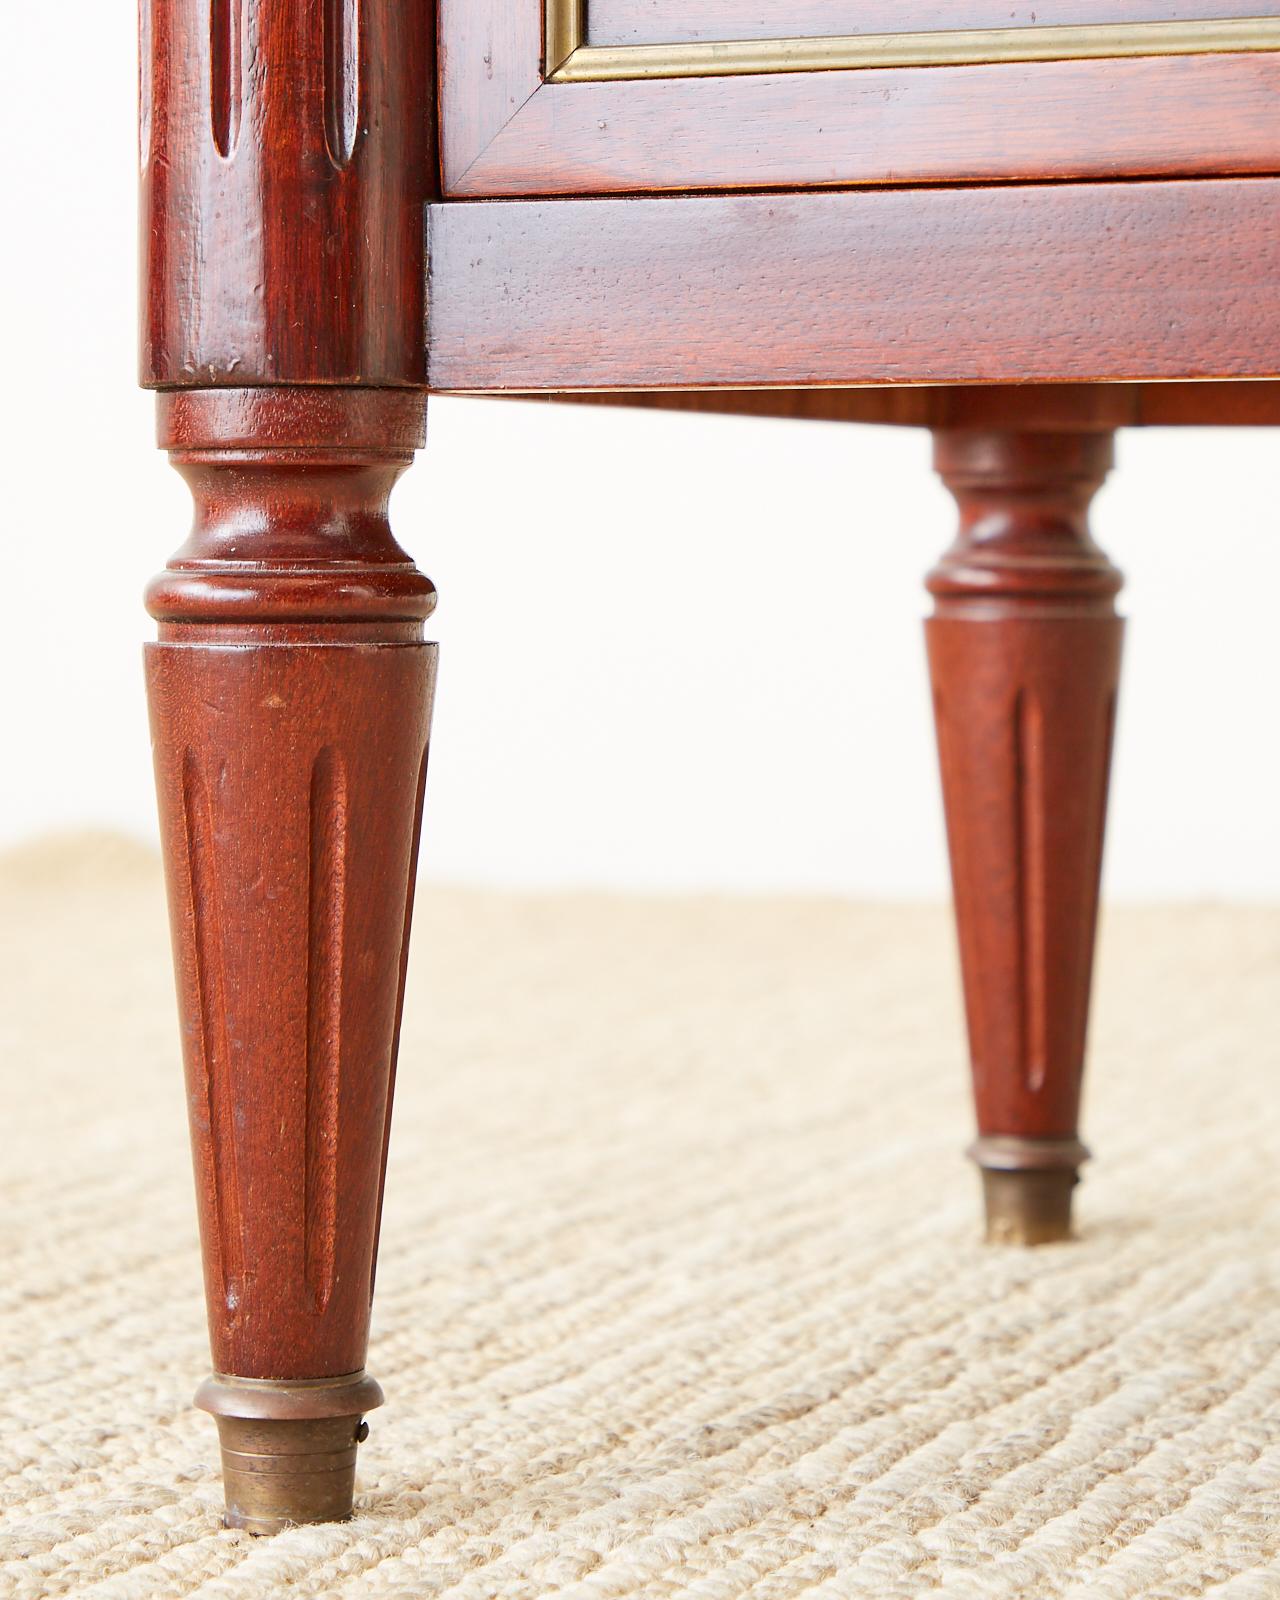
(1020, 228)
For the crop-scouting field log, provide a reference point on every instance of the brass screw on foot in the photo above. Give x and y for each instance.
(289, 1446)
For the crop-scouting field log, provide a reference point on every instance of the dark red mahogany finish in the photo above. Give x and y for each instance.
(911, 229)
(1024, 651)
(286, 158)
(290, 701)
(289, 813)
(286, 154)
(1034, 283)
(506, 130)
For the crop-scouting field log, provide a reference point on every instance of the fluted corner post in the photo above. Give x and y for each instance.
(286, 161)
(1024, 651)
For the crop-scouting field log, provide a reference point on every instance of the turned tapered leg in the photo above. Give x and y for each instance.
(1024, 652)
(290, 696)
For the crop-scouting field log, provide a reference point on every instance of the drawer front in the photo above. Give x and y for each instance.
(616, 96)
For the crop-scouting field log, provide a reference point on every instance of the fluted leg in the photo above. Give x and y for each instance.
(1024, 651)
(290, 695)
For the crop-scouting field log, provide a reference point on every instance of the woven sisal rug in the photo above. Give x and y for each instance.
(680, 1293)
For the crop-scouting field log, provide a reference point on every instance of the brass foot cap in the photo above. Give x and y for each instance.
(288, 1447)
(1027, 1187)
(1028, 1207)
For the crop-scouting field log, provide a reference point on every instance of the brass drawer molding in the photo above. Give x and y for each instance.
(569, 59)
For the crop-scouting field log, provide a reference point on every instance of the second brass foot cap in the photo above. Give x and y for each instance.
(1027, 1186)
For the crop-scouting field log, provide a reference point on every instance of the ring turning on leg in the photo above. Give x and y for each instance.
(290, 695)
(1024, 652)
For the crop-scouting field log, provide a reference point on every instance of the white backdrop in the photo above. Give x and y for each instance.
(695, 661)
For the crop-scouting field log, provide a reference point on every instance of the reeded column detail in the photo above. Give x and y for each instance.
(1024, 651)
(286, 161)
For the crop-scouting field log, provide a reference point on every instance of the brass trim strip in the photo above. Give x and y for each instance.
(565, 23)
(577, 62)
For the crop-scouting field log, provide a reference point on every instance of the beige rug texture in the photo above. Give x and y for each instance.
(681, 1291)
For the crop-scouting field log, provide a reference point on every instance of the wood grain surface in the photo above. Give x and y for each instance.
(286, 156)
(506, 132)
(1024, 652)
(1033, 407)
(1044, 283)
(290, 702)
(490, 64)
